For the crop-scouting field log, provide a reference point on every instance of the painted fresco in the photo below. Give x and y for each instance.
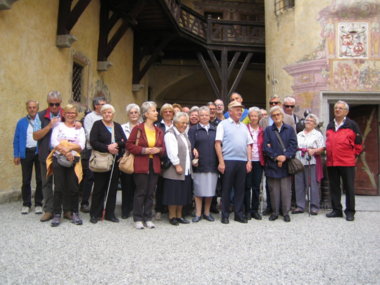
(353, 40)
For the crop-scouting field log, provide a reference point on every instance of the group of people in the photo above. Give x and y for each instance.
(183, 155)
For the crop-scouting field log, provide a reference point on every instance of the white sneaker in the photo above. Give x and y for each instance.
(150, 225)
(139, 225)
(38, 210)
(25, 210)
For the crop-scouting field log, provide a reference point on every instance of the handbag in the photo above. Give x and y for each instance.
(101, 161)
(294, 164)
(126, 163)
(63, 161)
(165, 162)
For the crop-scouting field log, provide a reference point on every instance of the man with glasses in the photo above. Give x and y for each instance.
(219, 109)
(88, 179)
(213, 119)
(288, 106)
(44, 123)
(343, 146)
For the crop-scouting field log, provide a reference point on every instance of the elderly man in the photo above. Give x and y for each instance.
(238, 98)
(88, 179)
(45, 121)
(219, 109)
(233, 148)
(288, 106)
(343, 146)
(213, 119)
(25, 152)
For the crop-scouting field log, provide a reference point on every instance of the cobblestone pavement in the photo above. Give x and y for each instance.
(308, 250)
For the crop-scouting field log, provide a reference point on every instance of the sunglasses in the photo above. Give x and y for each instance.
(289, 106)
(274, 103)
(54, 104)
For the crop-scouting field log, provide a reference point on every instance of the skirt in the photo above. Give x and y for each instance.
(177, 192)
(205, 184)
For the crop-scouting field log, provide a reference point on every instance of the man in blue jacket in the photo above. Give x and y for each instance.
(25, 152)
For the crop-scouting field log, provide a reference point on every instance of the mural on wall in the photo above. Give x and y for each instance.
(353, 40)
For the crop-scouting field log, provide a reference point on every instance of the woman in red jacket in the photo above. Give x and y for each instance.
(147, 151)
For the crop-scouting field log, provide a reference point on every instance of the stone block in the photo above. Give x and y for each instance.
(65, 41)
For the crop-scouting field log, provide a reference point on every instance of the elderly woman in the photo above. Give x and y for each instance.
(278, 177)
(167, 114)
(146, 142)
(67, 141)
(177, 178)
(310, 145)
(253, 178)
(106, 136)
(194, 116)
(177, 108)
(202, 138)
(127, 183)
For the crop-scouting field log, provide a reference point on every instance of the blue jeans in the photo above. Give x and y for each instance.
(253, 181)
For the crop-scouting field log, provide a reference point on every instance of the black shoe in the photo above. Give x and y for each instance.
(286, 218)
(183, 221)
(85, 208)
(256, 216)
(112, 219)
(267, 212)
(214, 210)
(313, 213)
(209, 218)
(93, 220)
(196, 219)
(241, 220)
(225, 221)
(297, 211)
(273, 217)
(248, 216)
(350, 217)
(334, 214)
(174, 221)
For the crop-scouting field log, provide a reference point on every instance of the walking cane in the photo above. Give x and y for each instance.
(309, 182)
(108, 188)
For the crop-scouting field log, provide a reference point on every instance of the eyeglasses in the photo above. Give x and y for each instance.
(274, 103)
(289, 106)
(219, 105)
(276, 115)
(54, 104)
(70, 113)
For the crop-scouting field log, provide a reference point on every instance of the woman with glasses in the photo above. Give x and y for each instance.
(177, 178)
(310, 145)
(278, 177)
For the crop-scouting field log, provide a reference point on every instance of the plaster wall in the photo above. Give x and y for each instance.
(31, 65)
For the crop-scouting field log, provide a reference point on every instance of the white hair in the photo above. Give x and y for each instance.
(290, 100)
(255, 109)
(342, 103)
(107, 107)
(179, 115)
(276, 108)
(146, 106)
(313, 117)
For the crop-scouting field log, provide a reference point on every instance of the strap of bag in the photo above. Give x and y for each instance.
(113, 134)
(138, 136)
(280, 140)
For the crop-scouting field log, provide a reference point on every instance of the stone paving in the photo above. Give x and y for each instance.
(308, 250)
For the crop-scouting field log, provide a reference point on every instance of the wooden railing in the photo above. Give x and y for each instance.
(218, 32)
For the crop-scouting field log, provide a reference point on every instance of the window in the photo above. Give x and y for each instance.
(214, 15)
(77, 82)
(280, 6)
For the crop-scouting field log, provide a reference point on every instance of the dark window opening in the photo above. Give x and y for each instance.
(77, 82)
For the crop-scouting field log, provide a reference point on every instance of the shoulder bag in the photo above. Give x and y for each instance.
(128, 159)
(294, 165)
(101, 161)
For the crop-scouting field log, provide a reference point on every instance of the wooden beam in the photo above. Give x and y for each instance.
(233, 63)
(241, 72)
(215, 62)
(208, 74)
(224, 72)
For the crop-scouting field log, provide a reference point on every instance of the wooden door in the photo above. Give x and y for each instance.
(367, 170)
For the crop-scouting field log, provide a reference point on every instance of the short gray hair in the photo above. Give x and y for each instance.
(54, 95)
(204, 108)
(179, 115)
(255, 109)
(275, 96)
(276, 108)
(289, 99)
(194, 109)
(131, 106)
(107, 107)
(314, 117)
(32, 101)
(146, 106)
(343, 103)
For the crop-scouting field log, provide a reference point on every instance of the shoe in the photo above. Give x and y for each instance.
(214, 210)
(297, 211)
(350, 217)
(256, 216)
(241, 220)
(93, 220)
(209, 218)
(112, 219)
(25, 210)
(76, 220)
(248, 216)
(225, 221)
(267, 212)
(334, 214)
(273, 217)
(313, 212)
(196, 219)
(286, 218)
(38, 210)
(150, 225)
(139, 225)
(125, 216)
(67, 215)
(174, 221)
(46, 217)
(56, 220)
(157, 216)
(183, 221)
(85, 208)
